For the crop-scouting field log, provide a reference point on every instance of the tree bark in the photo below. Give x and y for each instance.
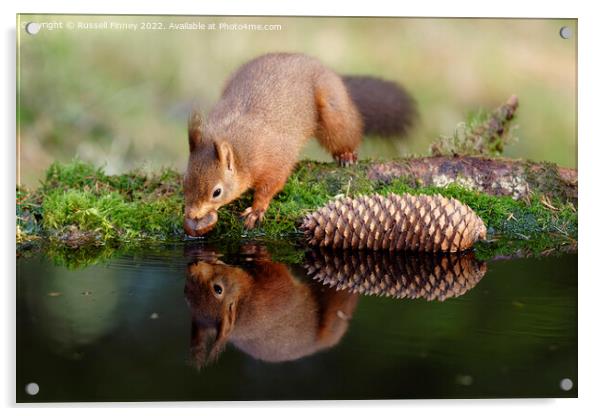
(494, 176)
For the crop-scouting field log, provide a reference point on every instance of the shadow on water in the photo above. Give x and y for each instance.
(263, 322)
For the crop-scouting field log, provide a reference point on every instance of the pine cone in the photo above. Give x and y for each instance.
(406, 275)
(396, 222)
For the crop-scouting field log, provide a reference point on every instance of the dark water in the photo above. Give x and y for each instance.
(192, 323)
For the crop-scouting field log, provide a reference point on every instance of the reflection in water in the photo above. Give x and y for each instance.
(265, 311)
(398, 275)
(261, 308)
(514, 335)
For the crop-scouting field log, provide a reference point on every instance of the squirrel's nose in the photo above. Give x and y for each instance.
(193, 213)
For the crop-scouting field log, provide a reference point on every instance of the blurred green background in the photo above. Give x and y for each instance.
(119, 98)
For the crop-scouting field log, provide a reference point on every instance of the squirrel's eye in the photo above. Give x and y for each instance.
(218, 289)
(217, 192)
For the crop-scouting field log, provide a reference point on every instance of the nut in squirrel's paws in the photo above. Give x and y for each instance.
(252, 217)
(346, 159)
(196, 228)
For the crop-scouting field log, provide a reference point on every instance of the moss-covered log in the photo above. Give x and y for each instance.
(78, 204)
(493, 176)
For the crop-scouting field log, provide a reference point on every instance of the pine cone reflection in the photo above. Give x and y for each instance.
(397, 275)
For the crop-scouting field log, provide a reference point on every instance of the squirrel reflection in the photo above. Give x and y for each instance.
(261, 309)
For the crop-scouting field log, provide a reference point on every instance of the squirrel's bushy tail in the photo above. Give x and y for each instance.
(387, 109)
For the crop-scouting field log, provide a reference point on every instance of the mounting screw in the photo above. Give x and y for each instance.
(32, 28)
(32, 389)
(566, 32)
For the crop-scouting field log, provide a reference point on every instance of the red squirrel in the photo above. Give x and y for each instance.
(268, 109)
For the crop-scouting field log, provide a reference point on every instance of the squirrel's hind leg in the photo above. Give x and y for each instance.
(340, 124)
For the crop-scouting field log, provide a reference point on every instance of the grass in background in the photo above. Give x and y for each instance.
(110, 99)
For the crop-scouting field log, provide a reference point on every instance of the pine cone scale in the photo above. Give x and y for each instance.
(396, 222)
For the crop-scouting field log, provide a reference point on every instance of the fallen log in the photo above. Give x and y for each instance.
(79, 204)
(494, 176)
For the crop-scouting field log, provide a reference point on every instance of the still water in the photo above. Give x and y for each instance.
(192, 322)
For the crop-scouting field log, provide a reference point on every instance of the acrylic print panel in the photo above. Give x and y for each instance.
(141, 140)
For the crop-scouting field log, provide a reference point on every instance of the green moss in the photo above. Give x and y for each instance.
(28, 214)
(545, 179)
(119, 208)
(483, 133)
(76, 174)
(112, 215)
(502, 214)
(311, 185)
(136, 207)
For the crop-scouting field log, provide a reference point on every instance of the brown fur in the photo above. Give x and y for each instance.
(252, 138)
(387, 109)
(263, 310)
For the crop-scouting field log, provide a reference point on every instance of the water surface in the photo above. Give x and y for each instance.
(191, 322)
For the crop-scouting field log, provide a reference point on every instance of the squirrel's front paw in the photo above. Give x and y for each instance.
(346, 159)
(254, 252)
(252, 217)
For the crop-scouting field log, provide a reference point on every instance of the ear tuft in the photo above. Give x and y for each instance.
(194, 129)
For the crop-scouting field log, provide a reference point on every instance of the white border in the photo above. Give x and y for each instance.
(589, 153)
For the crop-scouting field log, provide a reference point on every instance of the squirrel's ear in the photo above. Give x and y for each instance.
(201, 341)
(194, 129)
(225, 328)
(225, 154)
